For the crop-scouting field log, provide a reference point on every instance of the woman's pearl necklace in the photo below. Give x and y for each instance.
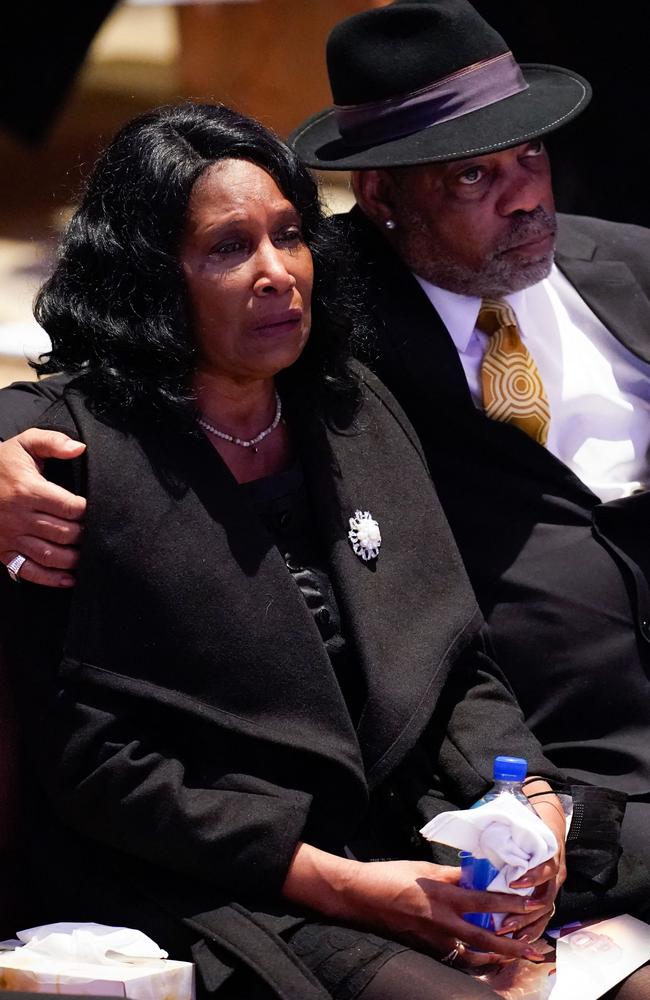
(253, 441)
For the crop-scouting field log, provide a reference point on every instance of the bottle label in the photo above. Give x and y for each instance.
(477, 873)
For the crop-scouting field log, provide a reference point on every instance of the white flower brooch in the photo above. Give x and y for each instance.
(364, 535)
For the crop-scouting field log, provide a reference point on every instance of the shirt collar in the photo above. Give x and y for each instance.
(460, 312)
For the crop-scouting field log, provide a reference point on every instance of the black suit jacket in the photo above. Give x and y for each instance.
(190, 729)
(561, 578)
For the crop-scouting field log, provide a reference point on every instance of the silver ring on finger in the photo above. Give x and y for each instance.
(14, 567)
(452, 955)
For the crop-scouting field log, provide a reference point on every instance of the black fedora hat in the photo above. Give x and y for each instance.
(425, 80)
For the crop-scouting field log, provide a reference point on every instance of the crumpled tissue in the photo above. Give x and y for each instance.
(512, 837)
(95, 959)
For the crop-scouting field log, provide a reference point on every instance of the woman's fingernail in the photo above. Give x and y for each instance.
(540, 948)
(533, 904)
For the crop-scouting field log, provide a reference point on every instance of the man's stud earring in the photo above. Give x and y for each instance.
(390, 224)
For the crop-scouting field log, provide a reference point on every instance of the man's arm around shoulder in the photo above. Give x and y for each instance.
(38, 520)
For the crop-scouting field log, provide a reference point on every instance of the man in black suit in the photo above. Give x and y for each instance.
(442, 129)
(533, 409)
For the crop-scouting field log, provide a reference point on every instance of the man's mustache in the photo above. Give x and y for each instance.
(526, 227)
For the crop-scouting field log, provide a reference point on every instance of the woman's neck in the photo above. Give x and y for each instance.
(239, 409)
(243, 411)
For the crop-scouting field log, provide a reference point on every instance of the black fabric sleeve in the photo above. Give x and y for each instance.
(107, 752)
(23, 404)
(120, 757)
(114, 772)
(485, 720)
(476, 718)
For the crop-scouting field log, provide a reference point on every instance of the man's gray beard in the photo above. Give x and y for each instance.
(500, 274)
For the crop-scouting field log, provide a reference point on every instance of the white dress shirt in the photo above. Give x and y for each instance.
(598, 392)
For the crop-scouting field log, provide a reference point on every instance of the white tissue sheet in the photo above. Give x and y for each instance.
(71, 958)
(96, 944)
(512, 837)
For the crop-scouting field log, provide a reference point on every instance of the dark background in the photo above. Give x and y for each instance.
(600, 161)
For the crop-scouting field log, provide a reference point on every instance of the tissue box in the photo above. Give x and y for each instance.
(152, 979)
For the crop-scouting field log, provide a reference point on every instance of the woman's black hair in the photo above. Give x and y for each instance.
(116, 307)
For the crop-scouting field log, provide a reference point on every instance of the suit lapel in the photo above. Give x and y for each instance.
(411, 609)
(608, 287)
(291, 656)
(196, 580)
(412, 337)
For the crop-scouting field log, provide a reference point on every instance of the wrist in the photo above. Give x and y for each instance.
(553, 815)
(321, 881)
(547, 806)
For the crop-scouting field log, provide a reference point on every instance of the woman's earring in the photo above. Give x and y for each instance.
(390, 224)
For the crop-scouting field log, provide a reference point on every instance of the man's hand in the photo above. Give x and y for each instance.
(38, 519)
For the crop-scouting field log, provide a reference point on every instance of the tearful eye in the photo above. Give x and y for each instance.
(228, 247)
(291, 236)
(472, 175)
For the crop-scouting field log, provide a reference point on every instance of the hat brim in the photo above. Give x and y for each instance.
(554, 97)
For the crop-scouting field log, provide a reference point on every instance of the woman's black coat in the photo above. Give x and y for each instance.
(192, 732)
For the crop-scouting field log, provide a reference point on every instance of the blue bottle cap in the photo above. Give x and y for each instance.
(509, 768)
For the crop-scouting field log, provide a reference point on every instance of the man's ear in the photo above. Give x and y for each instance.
(374, 190)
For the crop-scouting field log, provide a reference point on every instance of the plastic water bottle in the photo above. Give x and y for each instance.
(477, 873)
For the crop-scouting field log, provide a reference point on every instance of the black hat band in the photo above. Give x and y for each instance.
(453, 96)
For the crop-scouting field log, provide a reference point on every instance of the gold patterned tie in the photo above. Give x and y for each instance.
(512, 387)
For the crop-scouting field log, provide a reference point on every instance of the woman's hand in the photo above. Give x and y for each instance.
(547, 878)
(412, 901)
(38, 519)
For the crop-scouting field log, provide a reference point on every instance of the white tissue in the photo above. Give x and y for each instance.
(73, 944)
(512, 837)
